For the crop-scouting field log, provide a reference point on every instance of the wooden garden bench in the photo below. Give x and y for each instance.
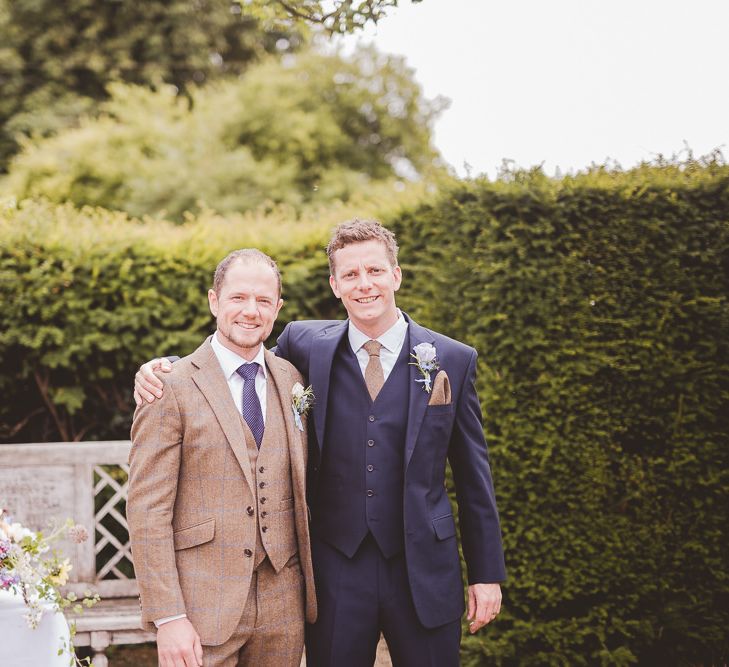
(86, 481)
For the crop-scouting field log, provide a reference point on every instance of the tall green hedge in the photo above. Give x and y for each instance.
(598, 304)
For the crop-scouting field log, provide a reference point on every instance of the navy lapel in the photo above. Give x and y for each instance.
(418, 400)
(323, 348)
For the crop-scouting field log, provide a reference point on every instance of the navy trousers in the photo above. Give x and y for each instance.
(360, 597)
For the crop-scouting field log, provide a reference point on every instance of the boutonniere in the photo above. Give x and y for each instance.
(301, 402)
(426, 361)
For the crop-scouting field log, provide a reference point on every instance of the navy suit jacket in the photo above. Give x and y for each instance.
(433, 434)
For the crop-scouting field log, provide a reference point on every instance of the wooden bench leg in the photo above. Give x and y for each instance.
(99, 643)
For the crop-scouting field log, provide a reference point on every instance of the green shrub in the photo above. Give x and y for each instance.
(599, 306)
(308, 129)
(89, 294)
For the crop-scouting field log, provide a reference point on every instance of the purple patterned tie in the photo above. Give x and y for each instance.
(251, 405)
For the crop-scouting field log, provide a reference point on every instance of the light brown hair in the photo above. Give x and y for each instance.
(357, 231)
(248, 256)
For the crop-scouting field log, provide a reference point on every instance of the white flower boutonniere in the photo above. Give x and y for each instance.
(301, 402)
(426, 361)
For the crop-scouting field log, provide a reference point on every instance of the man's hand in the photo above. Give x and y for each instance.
(484, 603)
(147, 386)
(178, 645)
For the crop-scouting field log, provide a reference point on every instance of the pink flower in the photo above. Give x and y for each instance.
(78, 533)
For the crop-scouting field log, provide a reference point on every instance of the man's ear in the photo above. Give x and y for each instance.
(333, 285)
(213, 302)
(397, 275)
(278, 307)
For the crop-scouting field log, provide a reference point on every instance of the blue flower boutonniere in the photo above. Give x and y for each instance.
(426, 361)
(301, 402)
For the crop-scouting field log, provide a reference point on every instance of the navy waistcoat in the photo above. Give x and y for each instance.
(360, 487)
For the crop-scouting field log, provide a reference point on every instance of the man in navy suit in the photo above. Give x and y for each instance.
(394, 400)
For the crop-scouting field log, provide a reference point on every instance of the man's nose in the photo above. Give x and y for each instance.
(364, 281)
(249, 307)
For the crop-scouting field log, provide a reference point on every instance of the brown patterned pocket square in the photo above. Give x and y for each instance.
(441, 393)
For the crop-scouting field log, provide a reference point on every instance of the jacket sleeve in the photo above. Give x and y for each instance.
(154, 468)
(477, 513)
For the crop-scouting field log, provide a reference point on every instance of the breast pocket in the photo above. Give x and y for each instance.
(439, 410)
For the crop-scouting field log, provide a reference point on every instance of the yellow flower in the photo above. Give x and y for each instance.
(58, 576)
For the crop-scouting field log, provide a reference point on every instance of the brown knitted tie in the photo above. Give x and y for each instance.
(374, 375)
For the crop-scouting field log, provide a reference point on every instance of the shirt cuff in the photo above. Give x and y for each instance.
(167, 619)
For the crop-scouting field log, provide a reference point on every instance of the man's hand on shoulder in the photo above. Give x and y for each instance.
(147, 385)
(484, 604)
(178, 645)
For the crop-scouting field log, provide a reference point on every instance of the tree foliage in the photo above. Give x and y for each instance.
(57, 58)
(307, 129)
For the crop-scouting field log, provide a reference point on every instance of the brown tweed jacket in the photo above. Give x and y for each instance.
(190, 483)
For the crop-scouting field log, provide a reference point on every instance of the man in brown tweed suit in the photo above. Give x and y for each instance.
(217, 510)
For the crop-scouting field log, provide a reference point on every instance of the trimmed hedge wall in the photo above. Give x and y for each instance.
(89, 295)
(599, 307)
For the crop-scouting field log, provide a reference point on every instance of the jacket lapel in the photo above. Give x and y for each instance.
(210, 380)
(323, 348)
(279, 388)
(418, 400)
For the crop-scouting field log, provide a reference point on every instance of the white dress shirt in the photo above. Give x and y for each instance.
(230, 362)
(392, 341)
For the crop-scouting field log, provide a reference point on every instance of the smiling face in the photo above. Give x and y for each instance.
(366, 282)
(245, 306)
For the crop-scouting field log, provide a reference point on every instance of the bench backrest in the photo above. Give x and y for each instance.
(87, 481)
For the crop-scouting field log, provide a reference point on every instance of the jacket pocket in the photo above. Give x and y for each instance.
(444, 526)
(192, 536)
(443, 409)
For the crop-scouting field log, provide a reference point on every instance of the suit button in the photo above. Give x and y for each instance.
(370, 443)
(371, 418)
(264, 529)
(248, 552)
(262, 485)
(370, 493)
(261, 469)
(370, 468)
(263, 500)
(250, 511)
(264, 514)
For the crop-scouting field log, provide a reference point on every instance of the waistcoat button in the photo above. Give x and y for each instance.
(248, 552)
(249, 510)
(370, 468)
(261, 469)
(370, 443)
(264, 529)
(372, 418)
(370, 493)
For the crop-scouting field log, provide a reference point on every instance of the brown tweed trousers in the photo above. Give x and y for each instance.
(193, 508)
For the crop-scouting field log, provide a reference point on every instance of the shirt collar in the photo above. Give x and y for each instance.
(230, 361)
(391, 340)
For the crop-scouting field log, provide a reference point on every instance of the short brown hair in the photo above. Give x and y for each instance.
(248, 256)
(357, 231)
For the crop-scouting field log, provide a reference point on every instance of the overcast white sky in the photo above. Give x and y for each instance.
(567, 82)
